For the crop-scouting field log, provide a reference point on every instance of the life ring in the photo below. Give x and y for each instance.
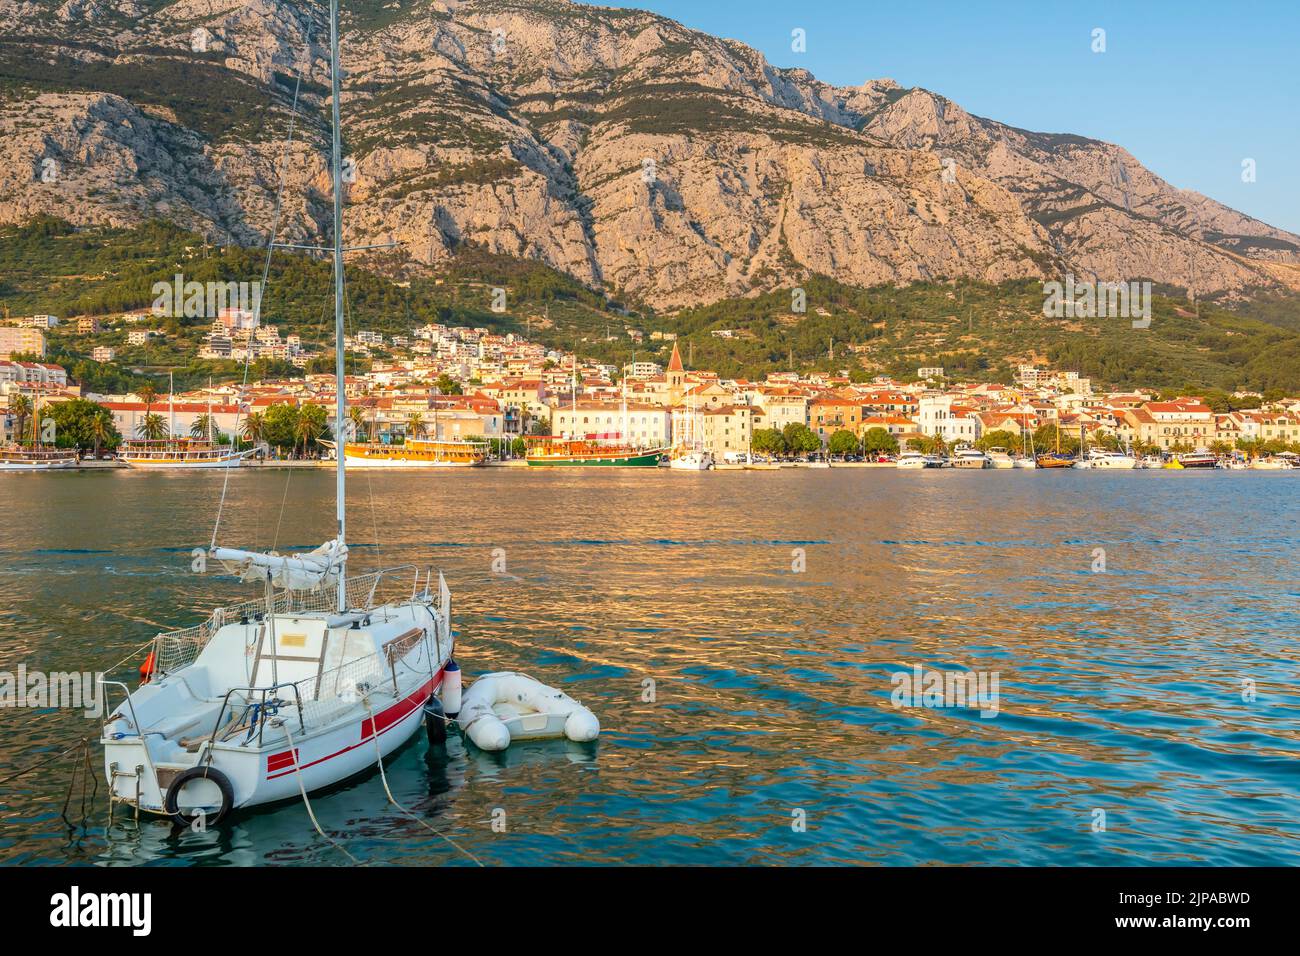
(171, 804)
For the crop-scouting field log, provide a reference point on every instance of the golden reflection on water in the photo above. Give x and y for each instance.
(771, 685)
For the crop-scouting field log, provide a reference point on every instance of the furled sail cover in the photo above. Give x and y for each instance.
(301, 572)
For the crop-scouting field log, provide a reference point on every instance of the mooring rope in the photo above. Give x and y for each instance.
(393, 800)
(293, 752)
(42, 763)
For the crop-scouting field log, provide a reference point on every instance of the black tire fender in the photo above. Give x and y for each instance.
(195, 773)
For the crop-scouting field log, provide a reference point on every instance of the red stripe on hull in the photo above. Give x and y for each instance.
(386, 719)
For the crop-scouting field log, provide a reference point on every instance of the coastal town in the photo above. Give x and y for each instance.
(444, 385)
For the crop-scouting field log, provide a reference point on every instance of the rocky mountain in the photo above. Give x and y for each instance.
(641, 157)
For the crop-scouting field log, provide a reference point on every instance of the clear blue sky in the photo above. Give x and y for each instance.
(1191, 89)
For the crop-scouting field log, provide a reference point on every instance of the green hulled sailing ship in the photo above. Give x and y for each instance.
(561, 452)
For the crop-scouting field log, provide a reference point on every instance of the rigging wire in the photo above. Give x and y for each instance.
(257, 309)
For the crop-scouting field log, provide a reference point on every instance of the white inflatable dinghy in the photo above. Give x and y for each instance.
(499, 708)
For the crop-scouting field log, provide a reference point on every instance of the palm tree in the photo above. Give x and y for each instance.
(21, 407)
(152, 427)
(357, 417)
(205, 426)
(305, 430)
(101, 430)
(147, 395)
(415, 424)
(254, 428)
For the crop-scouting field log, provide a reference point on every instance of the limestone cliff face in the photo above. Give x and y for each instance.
(615, 145)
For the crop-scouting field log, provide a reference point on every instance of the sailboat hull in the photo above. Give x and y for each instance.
(37, 465)
(150, 464)
(691, 461)
(646, 460)
(281, 738)
(353, 461)
(269, 774)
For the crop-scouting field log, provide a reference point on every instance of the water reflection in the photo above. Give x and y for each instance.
(770, 686)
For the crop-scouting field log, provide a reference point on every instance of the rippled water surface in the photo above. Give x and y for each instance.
(1120, 692)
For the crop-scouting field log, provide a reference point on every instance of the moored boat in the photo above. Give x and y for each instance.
(1001, 458)
(179, 453)
(1054, 460)
(1099, 458)
(276, 698)
(413, 453)
(36, 458)
(1271, 464)
(1200, 459)
(578, 453)
(498, 709)
(915, 459)
(690, 459)
(967, 457)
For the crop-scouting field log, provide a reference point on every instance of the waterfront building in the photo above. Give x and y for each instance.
(648, 426)
(943, 416)
(19, 341)
(729, 428)
(33, 373)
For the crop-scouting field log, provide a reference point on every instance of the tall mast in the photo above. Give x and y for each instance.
(171, 404)
(340, 408)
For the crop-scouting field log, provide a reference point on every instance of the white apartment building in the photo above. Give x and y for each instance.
(33, 373)
(648, 426)
(19, 341)
(777, 409)
(935, 417)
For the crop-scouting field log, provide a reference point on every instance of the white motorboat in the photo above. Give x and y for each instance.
(691, 460)
(967, 457)
(315, 682)
(1271, 464)
(914, 459)
(1103, 459)
(1000, 458)
(1150, 462)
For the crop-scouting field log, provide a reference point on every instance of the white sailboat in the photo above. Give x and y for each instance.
(689, 453)
(1028, 459)
(309, 685)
